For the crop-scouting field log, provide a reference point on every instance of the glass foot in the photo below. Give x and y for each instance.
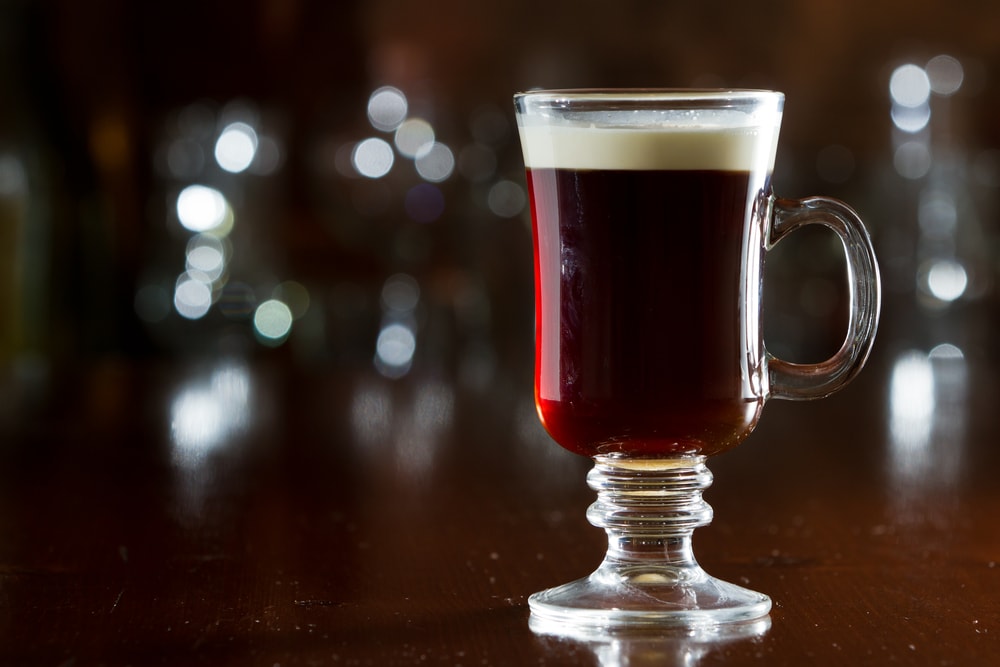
(649, 577)
(648, 598)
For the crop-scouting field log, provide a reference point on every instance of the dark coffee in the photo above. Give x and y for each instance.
(643, 278)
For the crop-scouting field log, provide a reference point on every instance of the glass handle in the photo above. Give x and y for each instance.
(806, 381)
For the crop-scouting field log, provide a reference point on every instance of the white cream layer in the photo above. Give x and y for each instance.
(660, 147)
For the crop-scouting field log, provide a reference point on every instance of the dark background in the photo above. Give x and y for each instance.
(95, 93)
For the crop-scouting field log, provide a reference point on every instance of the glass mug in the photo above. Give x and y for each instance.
(652, 212)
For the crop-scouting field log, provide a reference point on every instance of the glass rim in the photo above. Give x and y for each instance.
(646, 94)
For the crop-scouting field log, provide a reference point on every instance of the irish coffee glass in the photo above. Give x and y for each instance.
(652, 211)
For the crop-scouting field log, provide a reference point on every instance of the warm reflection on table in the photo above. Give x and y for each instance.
(253, 512)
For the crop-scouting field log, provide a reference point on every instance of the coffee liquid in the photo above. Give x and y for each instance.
(643, 343)
(648, 259)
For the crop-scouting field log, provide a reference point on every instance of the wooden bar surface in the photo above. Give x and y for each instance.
(256, 513)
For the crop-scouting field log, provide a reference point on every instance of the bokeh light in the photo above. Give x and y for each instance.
(506, 199)
(394, 350)
(946, 351)
(192, 296)
(947, 279)
(400, 294)
(372, 157)
(911, 119)
(909, 86)
(945, 75)
(294, 295)
(272, 322)
(910, 91)
(912, 159)
(206, 254)
(435, 163)
(201, 208)
(236, 147)
(413, 136)
(387, 108)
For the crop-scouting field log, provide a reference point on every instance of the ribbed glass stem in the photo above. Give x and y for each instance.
(649, 509)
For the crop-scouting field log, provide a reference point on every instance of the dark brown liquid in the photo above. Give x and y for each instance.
(643, 280)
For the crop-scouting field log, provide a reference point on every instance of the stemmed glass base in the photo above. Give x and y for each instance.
(649, 576)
